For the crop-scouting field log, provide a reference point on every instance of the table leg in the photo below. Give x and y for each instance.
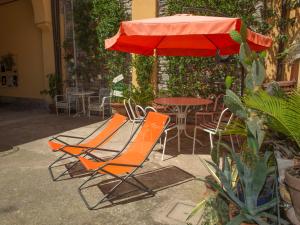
(83, 105)
(185, 131)
(181, 117)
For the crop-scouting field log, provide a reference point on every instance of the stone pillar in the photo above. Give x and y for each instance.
(142, 9)
(42, 19)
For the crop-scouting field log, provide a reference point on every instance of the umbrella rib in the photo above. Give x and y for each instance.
(211, 42)
(160, 41)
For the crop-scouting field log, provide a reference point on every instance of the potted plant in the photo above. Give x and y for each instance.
(142, 97)
(55, 88)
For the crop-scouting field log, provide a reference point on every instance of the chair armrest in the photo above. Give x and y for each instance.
(106, 100)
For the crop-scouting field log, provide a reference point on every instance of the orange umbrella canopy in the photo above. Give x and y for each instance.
(183, 35)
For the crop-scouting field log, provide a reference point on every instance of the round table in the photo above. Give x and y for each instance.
(82, 95)
(182, 104)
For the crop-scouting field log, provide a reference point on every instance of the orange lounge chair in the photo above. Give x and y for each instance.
(86, 145)
(130, 159)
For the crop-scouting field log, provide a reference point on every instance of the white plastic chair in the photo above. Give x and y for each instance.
(218, 107)
(136, 113)
(213, 128)
(66, 101)
(99, 103)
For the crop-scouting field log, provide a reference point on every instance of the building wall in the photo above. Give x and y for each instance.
(142, 9)
(22, 38)
(271, 61)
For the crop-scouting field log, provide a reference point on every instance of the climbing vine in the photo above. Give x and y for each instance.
(96, 20)
(191, 76)
(143, 94)
(260, 15)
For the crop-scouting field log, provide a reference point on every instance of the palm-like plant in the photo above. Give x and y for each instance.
(283, 114)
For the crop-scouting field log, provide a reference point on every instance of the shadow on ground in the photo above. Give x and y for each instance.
(154, 179)
(19, 125)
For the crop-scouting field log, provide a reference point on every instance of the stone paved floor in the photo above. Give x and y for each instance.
(29, 196)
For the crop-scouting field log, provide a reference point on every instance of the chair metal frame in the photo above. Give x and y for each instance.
(67, 100)
(103, 102)
(85, 149)
(213, 130)
(123, 179)
(213, 112)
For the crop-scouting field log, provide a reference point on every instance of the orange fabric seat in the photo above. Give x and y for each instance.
(112, 126)
(137, 151)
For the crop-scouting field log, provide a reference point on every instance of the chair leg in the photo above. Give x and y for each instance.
(211, 140)
(103, 114)
(164, 146)
(56, 111)
(194, 140)
(178, 140)
(57, 160)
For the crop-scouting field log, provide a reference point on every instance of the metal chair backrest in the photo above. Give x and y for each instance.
(104, 92)
(221, 119)
(128, 110)
(212, 97)
(69, 90)
(219, 103)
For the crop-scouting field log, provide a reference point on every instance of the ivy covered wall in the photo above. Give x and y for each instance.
(94, 21)
(192, 76)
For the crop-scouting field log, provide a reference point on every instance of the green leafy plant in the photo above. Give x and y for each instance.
(195, 76)
(283, 114)
(142, 97)
(253, 169)
(214, 210)
(101, 21)
(143, 94)
(55, 86)
(252, 180)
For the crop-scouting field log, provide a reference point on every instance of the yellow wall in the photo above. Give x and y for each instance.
(142, 9)
(271, 61)
(26, 33)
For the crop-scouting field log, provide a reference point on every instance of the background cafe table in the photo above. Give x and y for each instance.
(182, 104)
(82, 95)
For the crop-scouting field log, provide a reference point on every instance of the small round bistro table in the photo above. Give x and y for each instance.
(82, 95)
(182, 104)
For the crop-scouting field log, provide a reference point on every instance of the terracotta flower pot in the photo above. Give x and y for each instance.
(292, 178)
(118, 108)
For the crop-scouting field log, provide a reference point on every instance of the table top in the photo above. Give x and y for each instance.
(82, 93)
(182, 101)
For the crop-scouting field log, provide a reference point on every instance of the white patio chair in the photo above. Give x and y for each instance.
(66, 101)
(213, 128)
(100, 103)
(211, 112)
(135, 113)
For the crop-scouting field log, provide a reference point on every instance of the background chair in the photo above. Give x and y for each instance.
(214, 127)
(212, 110)
(66, 101)
(100, 103)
